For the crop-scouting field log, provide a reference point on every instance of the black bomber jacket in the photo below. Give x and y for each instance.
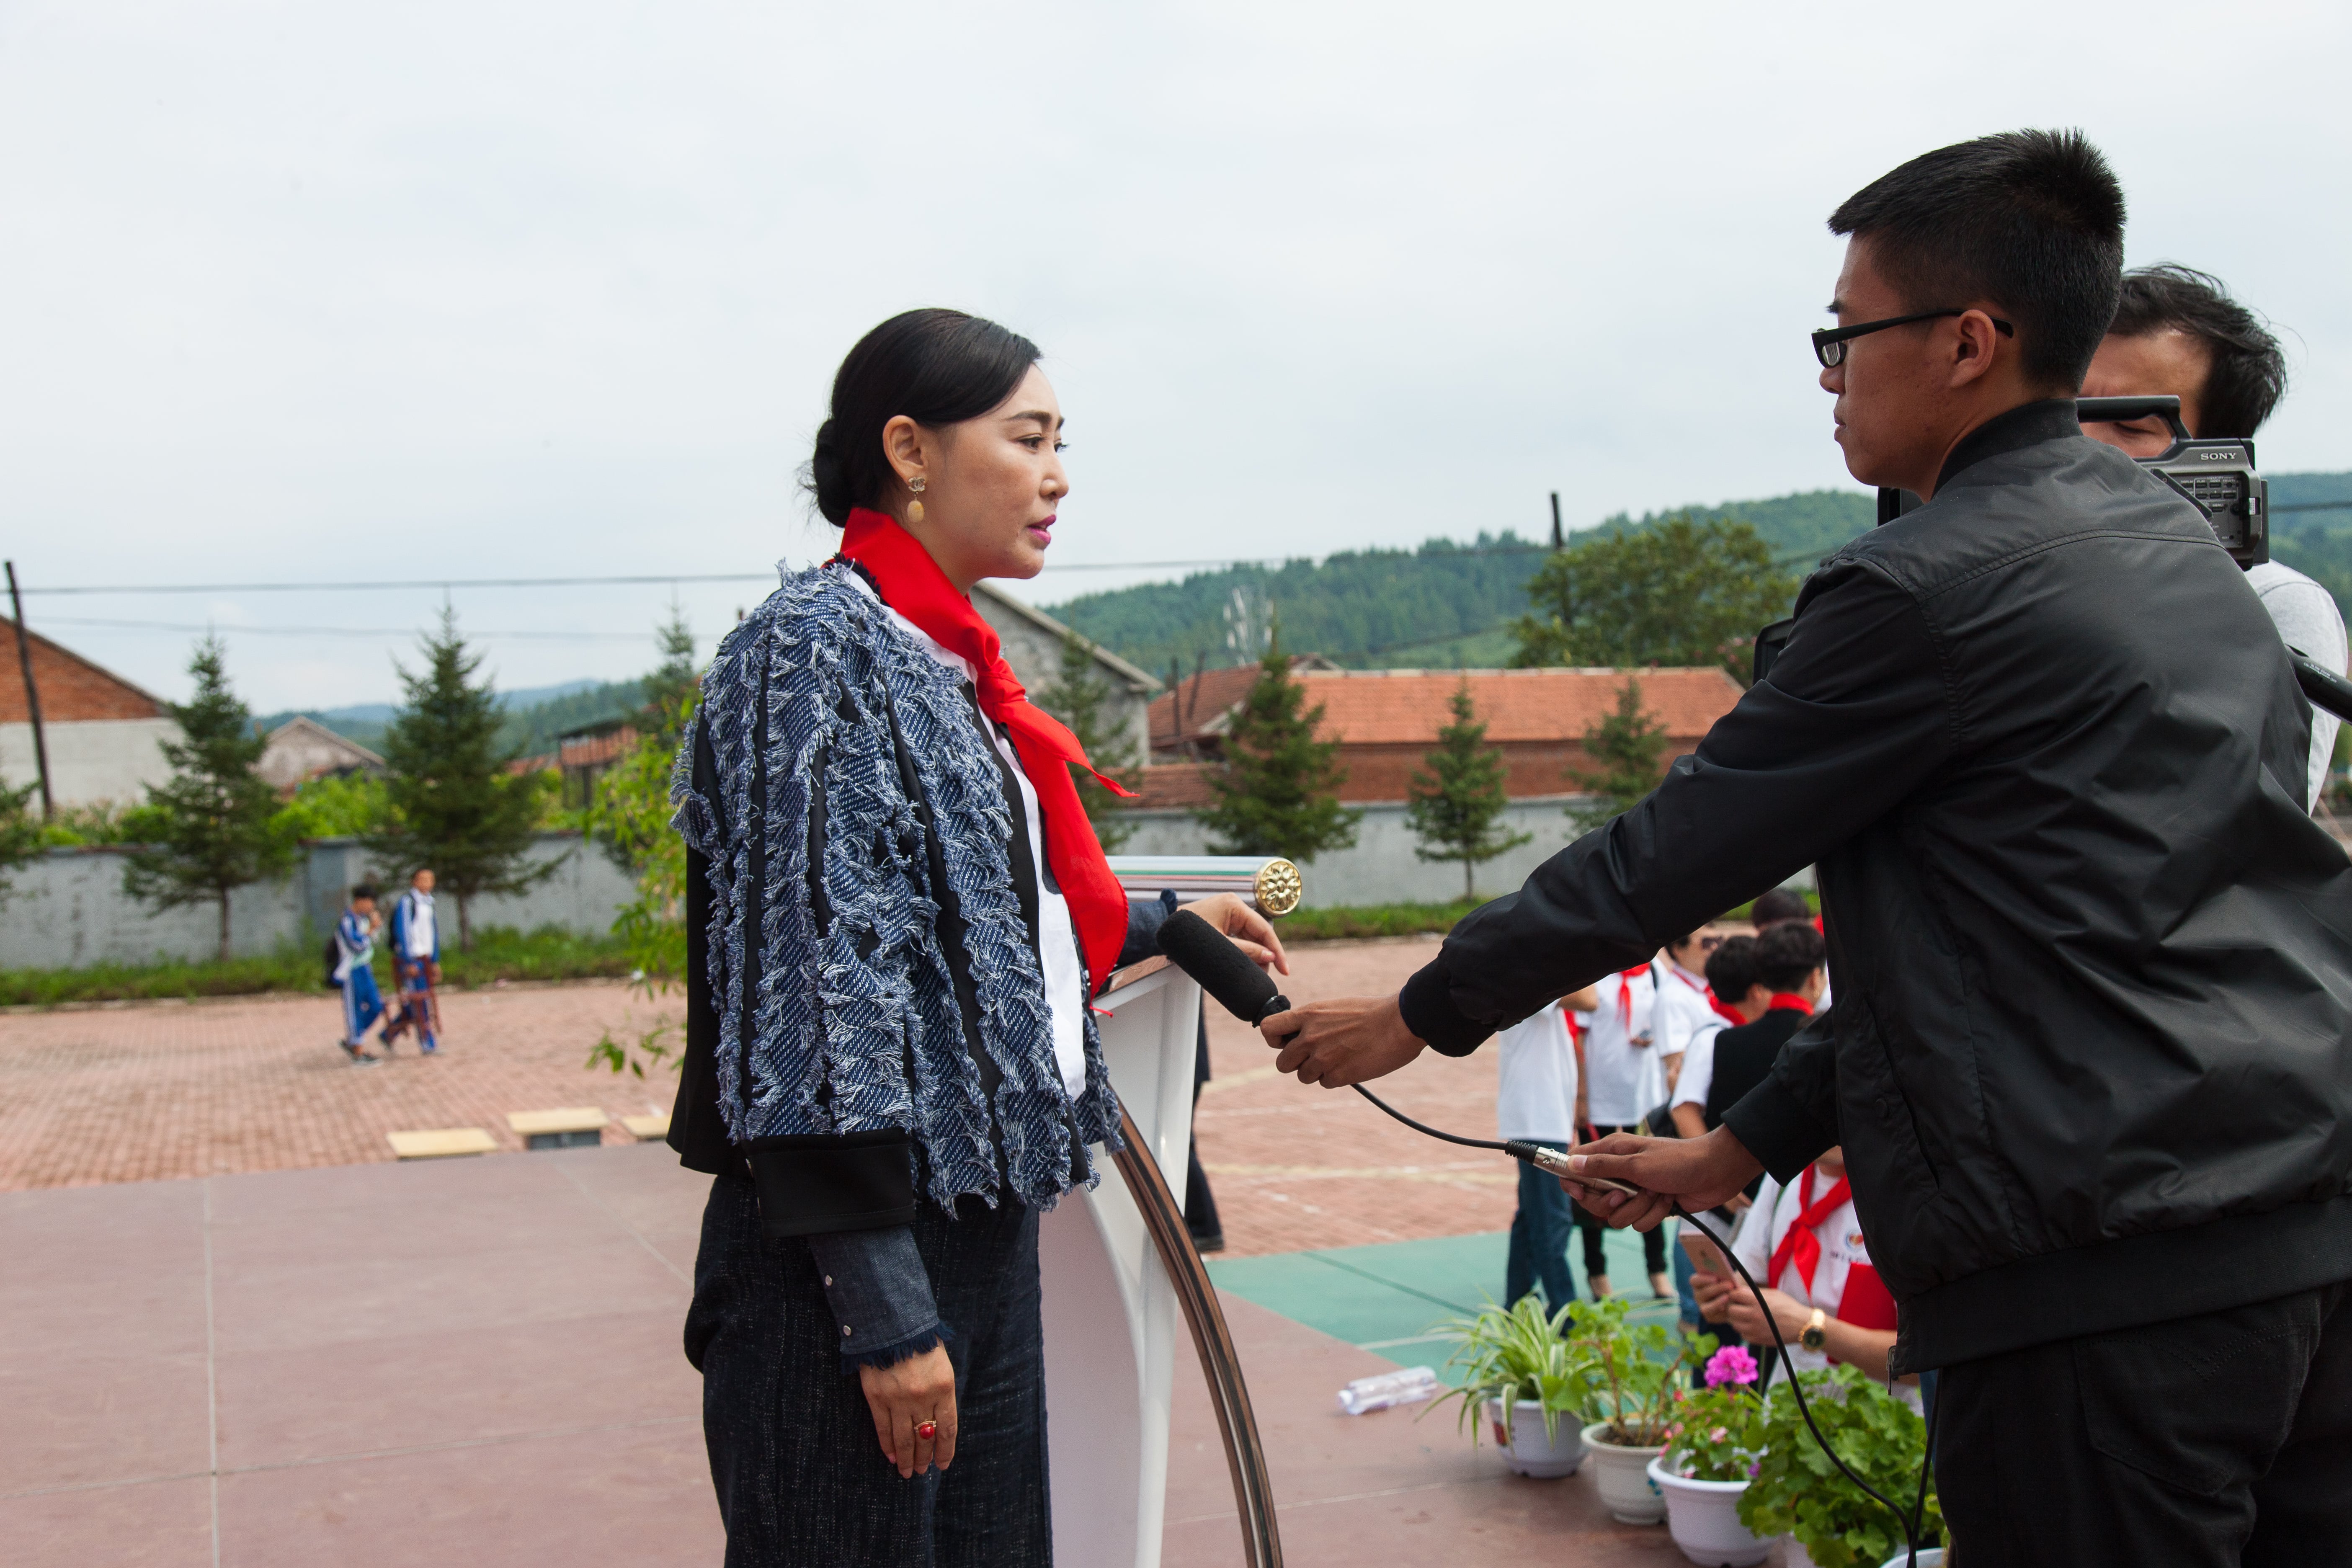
(2091, 1052)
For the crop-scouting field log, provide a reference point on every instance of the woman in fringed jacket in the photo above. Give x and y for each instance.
(897, 916)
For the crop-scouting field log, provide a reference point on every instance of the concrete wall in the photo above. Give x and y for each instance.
(67, 909)
(1382, 869)
(90, 760)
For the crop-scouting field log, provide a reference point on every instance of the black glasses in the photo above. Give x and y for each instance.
(1829, 343)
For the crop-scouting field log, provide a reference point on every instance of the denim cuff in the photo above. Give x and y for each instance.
(1144, 918)
(879, 1293)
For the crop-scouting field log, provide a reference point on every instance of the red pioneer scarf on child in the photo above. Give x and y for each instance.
(1801, 1244)
(911, 582)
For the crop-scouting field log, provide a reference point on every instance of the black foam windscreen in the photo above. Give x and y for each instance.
(1200, 951)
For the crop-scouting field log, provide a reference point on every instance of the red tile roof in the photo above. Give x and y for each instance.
(1376, 707)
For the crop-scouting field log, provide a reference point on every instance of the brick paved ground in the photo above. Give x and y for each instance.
(127, 1094)
(132, 1093)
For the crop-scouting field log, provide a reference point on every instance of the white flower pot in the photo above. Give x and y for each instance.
(1526, 1448)
(1793, 1554)
(1703, 1519)
(1624, 1476)
(1930, 1557)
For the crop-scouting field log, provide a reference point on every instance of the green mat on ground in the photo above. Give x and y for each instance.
(1385, 1298)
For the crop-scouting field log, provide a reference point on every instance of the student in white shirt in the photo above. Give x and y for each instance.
(1803, 1244)
(1623, 1082)
(1686, 1006)
(1534, 1099)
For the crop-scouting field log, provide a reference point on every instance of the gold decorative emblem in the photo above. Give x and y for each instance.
(1278, 888)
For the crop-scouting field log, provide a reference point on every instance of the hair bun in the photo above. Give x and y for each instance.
(827, 480)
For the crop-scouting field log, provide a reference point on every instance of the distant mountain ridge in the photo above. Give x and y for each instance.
(1448, 605)
(536, 715)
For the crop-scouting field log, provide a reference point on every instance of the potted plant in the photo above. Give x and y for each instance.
(1512, 1356)
(1710, 1454)
(1798, 1492)
(1637, 1380)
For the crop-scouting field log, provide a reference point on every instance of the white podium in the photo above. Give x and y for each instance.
(1121, 1278)
(1111, 1312)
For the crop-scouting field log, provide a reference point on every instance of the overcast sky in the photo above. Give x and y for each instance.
(320, 292)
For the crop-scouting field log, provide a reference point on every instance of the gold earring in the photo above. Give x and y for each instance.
(915, 507)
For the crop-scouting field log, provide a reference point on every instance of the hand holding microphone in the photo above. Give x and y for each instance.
(1334, 1043)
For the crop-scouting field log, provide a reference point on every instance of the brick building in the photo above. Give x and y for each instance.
(103, 734)
(1386, 721)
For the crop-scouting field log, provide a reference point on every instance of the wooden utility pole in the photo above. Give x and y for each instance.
(32, 692)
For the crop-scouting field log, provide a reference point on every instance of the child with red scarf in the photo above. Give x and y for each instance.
(1803, 1244)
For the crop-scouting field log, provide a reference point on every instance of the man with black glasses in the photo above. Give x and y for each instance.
(2178, 334)
(2090, 1057)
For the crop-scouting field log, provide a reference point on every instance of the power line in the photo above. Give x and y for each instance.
(330, 631)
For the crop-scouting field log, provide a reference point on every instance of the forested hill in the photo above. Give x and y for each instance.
(2317, 543)
(1444, 604)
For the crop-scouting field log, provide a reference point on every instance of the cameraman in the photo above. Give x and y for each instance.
(2178, 332)
(2090, 1059)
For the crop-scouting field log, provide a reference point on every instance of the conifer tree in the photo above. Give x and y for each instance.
(20, 831)
(454, 804)
(212, 826)
(673, 681)
(1081, 697)
(1626, 744)
(1456, 808)
(1277, 792)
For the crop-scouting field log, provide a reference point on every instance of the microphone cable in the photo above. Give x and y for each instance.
(1910, 1524)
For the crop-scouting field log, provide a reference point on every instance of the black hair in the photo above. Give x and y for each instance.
(1779, 905)
(364, 891)
(1731, 970)
(937, 367)
(2031, 220)
(2248, 376)
(1787, 954)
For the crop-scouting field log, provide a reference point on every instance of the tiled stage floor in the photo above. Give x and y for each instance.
(478, 1360)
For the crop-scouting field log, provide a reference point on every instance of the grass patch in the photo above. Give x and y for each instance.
(1333, 921)
(500, 953)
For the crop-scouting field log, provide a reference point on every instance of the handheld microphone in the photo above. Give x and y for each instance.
(1202, 951)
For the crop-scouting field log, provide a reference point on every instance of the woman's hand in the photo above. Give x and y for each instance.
(904, 1395)
(1715, 1292)
(1248, 930)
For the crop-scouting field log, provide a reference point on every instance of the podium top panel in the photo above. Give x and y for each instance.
(1268, 881)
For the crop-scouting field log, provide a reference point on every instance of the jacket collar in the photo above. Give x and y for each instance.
(2027, 424)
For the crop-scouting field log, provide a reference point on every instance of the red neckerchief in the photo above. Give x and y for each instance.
(1728, 1014)
(1783, 1001)
(1801, 1243)
(1625, 978)
(911, 582)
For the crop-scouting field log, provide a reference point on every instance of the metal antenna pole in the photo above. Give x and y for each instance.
(1559, 541)
(32, 692)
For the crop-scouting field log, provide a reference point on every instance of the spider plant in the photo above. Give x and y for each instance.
(1515, 1354)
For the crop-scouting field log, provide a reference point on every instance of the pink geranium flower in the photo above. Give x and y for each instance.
(1732, 1363)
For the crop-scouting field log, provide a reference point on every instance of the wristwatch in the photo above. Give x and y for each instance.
(1815, 1335)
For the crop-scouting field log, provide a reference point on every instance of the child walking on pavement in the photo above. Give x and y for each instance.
(355, 950)
(416, 963)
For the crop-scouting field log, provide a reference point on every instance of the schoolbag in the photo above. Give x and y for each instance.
(333, 957)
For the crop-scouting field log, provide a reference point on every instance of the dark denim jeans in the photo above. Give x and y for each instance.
(1540, 1232)
(800, 1476)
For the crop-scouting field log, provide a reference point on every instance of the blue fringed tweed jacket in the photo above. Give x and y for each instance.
(845, 770)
